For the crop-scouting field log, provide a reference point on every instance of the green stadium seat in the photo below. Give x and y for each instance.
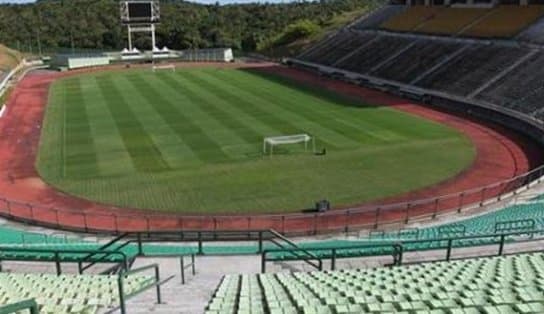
(505, 284)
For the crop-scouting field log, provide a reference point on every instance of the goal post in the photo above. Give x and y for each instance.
(271, 141)
(161, 67)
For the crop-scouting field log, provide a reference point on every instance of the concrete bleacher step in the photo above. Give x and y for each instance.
(437, 66)
(363, 46)
(476, 21)
(502, 74)
(392, 57)
(192, 297)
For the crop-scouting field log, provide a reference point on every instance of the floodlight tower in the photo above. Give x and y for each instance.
(140, 16)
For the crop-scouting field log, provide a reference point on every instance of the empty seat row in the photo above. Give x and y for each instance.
(502, 21)
(507, 284)
(67, 293)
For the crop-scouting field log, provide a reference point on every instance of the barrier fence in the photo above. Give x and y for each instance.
(348, 219)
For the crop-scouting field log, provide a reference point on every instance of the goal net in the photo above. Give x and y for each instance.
(270, 142)
(163, 67)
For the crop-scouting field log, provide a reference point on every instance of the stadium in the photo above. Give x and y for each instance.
(387, 157)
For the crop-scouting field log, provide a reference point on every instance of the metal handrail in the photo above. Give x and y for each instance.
(307, 260)
(58, 253)
(400, 246)
(120, 283)
(396, 252)
(102, 248)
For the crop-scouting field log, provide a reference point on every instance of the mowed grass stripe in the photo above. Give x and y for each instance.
(325, 104)
(113, 159)
(249, 121)
(201, 144)
(213, 106)
(172, 147)
(324, 136)
(145, 156)
(79, 157)
(320, 105)
(269, 116)
(51, 147)
(246, 184)
(270, 106)
(375, 123)
(202, 109)
(304, 104)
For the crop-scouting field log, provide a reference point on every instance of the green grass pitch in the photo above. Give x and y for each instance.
(190, 141)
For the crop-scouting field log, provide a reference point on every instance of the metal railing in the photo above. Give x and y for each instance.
(332, 253)
(366, 216)
(59, 256)
(120, 283)
(183, 267)
(397, 248)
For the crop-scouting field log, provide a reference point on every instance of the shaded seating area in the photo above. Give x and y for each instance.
(521, 89)
(365, 59)
(411, 18)
(415, 61)
(505, 21)
(502, 21)
(450, 21)
(471, 69)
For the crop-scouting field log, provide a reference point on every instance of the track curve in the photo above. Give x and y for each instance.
(501, 154)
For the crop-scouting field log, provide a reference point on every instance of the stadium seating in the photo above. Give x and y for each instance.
(506, 284)
(474, 67)
(365, 59)
(478, 225)
(379, 16)
(336, 47)
(54, 294)
(521, 89)
(450, 21)
(483, 224)
(411, 18)
(505, 21)
(420, 57)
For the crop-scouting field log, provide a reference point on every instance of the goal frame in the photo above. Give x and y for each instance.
(172, 67)
(271, 141)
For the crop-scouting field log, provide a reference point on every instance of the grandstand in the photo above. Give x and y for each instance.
(451, 21)
(441, 287)
(411, 19)
(463, 59)
(493, 25)
(465, 21)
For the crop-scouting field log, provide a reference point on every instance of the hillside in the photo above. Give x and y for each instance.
(303, 34)
(94, 25)
(9, 58)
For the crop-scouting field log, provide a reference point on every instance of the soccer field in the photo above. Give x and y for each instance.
(191, 142)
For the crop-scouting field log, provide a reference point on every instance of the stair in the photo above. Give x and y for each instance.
(192, 297)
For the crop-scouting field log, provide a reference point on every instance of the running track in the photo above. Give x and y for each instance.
(501, 154)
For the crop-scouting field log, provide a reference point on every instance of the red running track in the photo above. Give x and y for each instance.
(501, 155)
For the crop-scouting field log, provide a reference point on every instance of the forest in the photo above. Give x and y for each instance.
(54, 25)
